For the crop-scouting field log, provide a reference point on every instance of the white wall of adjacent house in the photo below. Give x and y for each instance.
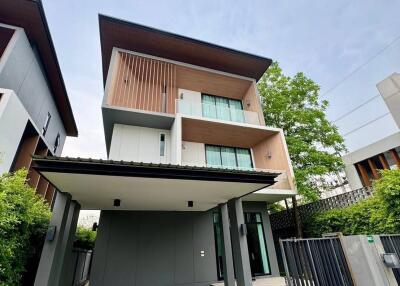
(389, 89)
(140, 144)
(193, 154)
(13, 119)
(21, 70)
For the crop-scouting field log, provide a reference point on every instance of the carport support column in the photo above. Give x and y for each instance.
(227, 259)
(66, 271)
(239, 243)
(50, 260)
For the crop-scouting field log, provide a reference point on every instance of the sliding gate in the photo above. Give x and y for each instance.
(319, 262)
(391, 244)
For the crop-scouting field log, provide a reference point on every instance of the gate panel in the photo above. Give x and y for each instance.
(391, 244)
(319, 262)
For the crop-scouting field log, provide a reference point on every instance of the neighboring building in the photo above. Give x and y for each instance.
(363, 164)
(35, 114)
(186, 143)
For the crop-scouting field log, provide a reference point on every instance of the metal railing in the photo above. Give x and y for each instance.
(316, 262)
(217, 112)
(391, 244)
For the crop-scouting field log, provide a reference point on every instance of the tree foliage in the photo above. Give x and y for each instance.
(24, 218)
(314, 143)
(377, 215)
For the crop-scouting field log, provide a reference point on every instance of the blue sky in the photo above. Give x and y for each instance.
(326, 40)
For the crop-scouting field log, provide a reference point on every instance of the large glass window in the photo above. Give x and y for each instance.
(222, 108)
(228, 157)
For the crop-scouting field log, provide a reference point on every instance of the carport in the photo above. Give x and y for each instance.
(96, 184)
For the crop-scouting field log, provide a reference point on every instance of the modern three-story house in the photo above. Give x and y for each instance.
(35, 113)
(191, 164)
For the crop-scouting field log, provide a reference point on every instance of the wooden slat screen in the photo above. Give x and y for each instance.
(139, 83)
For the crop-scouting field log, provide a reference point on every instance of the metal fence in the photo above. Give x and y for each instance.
(82, 260)
(284, 219)
(391, 244)
(315, 262)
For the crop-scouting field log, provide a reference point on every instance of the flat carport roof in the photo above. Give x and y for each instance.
(146, 186)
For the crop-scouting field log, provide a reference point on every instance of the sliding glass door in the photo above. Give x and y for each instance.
(222, 108)
(228, 157)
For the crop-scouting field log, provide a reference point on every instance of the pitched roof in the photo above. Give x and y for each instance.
(134, 37)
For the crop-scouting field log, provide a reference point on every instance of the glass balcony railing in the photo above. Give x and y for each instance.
(217, 112)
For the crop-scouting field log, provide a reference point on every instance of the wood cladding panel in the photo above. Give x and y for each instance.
(252, 103)
(364, 175)
(33, 176)
(396, 157)
(143, 83)
(49, 194)
(273, 146)
(26, 149)
(225, 134)
(211, 83)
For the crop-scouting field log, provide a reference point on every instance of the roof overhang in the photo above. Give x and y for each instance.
(140, 186)
(130, 36)
(29, 14)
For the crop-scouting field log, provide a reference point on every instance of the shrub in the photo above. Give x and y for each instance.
(84, 238)
(376, 215)
(24, 218)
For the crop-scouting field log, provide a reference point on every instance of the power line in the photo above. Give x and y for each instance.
(355, 108)
(361, 66)
(365, 124)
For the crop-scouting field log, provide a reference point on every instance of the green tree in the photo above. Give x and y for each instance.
(84, 238)
(24, 218)
(314, 143)
(376, 215)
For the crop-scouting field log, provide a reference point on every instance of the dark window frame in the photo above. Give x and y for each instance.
(56, 143)
(162, 141)
(46, 124)
(218, 96)
(220, 153)
(263, 232)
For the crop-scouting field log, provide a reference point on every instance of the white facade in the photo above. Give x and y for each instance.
(21, 71)
(193, 154)
(13, 120)
(140, 144)
(389, 89)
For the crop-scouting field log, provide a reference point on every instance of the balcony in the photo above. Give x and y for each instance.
(211, 111)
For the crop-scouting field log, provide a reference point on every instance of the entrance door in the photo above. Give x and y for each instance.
(256, 243)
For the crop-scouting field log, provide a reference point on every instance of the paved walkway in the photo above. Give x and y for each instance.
(271, 281)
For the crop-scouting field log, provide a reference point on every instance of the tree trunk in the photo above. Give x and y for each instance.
(286, 204)
(297, 220)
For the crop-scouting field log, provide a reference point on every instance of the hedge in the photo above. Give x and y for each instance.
(24, 219)
(376, 215)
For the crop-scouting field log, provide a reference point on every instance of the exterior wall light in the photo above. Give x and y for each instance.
(190, 204)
